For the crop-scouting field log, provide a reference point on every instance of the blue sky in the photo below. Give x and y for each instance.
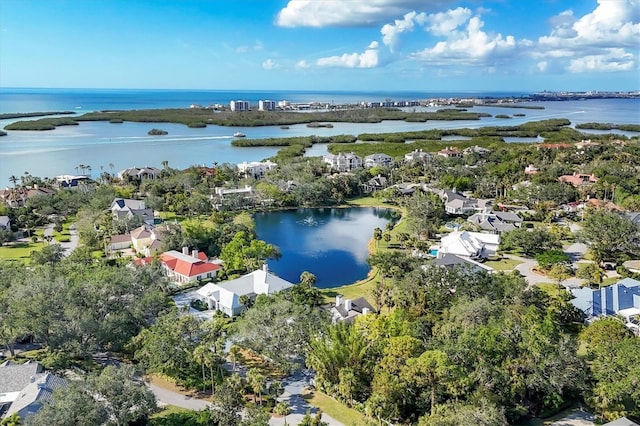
(368, 45)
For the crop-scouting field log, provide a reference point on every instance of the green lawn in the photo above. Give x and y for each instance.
(19, 250)
(551, 289)
(503, 264)
(335, 409)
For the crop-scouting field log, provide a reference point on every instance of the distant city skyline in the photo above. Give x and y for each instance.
(359, 45)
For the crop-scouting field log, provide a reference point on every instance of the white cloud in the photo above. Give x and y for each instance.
(597, 41)
(443, 23)
(542, 66)
(391, 32)
(367, 59)
(303, 64)
(323, 13)
(615, 60)
(270, 64)
(469, 46)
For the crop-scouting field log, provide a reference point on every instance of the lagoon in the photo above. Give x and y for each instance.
(331, 243)
(101, 144)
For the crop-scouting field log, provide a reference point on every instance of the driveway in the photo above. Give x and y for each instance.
(166, 396)
(68, 246)
(526, 269)
(294, 385)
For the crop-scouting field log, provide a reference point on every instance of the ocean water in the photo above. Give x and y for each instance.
(113, 147)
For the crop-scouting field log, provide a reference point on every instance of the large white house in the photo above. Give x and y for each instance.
(343, 162)
(378, 160)
(225, 296)
(256, 169)
(469, 244)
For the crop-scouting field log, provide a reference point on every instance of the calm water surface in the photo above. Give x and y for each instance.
(331, 243)
(101, 144)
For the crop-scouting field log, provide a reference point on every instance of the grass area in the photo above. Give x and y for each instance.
(19, 250)
(167, 411)
(335, 409)
(551, 289)
(64, 235)
(503, 264)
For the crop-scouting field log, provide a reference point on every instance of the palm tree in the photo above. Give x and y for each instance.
(14, 180)
(256, 381)
(234, 355)
(199, 356)
(282, 409)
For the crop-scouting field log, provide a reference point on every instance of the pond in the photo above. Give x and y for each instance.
(331, 243)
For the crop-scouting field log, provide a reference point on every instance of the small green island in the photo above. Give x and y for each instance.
(157, 132)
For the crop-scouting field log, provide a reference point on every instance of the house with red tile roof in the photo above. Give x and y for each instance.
(578, 179)
(450, 152)
(183, 267)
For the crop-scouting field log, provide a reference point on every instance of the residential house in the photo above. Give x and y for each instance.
(71, 181)
(184, 267)
(496, 222)
(376, 183)
(343, 162)
(225, 296)
(578, 179)
(470, 244)
(17, 197)
(139, 173)
(457, 204)
(33, 396)
(119, 242)
(476, 150)
(586, 144)
(448, 260)
(450, 152)
(622, 421)
(222, 192)
(24, 388)
(621, 298)
(346, 310)
(124, 208)
(147, 240)
(378, 160)
(256, 169)
(5, 222)
(418, 155)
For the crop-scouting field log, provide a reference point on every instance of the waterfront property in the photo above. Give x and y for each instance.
(346, 310)
(184, 267)
(226, 296)
(343, 162)
(256, 169)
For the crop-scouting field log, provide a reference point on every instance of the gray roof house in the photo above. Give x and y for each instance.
(127, 208)
(24, 388)
(378, 160)
(140, 173)
(343, 162)
(33, 396)
(621, 298)
(347, 310)
(375, 183)
(5, 222)
(497, 222)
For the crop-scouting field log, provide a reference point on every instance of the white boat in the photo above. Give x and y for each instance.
(239, 135)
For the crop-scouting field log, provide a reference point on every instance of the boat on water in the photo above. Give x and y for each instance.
(239, 135)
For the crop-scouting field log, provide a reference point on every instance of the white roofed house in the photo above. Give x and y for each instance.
(470, 244)
(5, 222)
(378, 160)
(225, 296)
(256, 169)
(418, 155)
(343, 162)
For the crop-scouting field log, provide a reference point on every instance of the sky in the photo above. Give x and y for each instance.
(348, 45)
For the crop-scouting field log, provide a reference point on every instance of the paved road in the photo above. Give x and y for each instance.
(533, 278)
(165, 396)
(68, 246)
(293, 388)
